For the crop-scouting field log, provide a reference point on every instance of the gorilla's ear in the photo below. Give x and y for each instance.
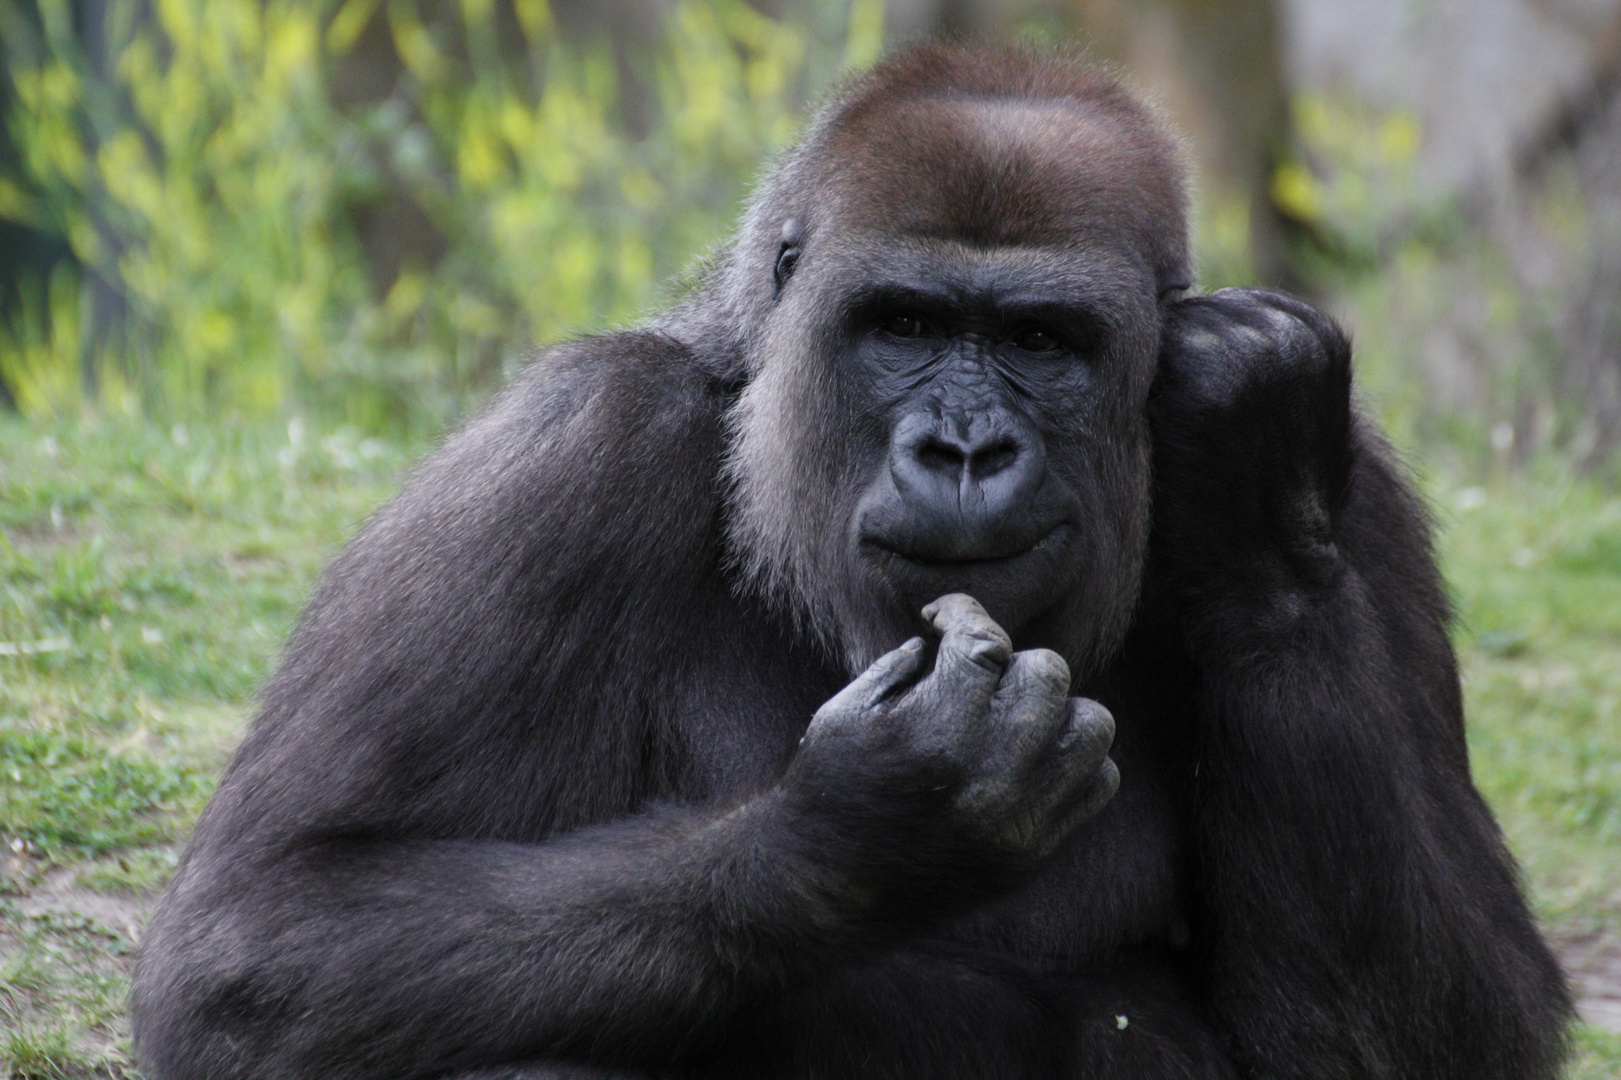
(1173, 279)
(787, 256)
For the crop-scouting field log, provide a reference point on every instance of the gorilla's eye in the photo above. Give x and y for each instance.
(904, 326)
(1035, 339)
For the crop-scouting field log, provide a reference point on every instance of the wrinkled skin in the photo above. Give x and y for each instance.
(939, 647)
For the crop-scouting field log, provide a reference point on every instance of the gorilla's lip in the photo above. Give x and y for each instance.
(1051, 541)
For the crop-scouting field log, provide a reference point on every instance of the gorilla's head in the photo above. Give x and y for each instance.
(945, 303)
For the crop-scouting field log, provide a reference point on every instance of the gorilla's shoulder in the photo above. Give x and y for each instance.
(605, 393)
(594, 424)
(633, 375)
(598, 464)
(579, 509)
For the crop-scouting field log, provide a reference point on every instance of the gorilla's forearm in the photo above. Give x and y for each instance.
(1335, 821)
(617, 944)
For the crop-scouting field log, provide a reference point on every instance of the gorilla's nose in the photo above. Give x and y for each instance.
(968, 482)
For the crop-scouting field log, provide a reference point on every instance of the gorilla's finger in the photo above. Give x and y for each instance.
(968, 665)
(968, 635)
(884, 677)
(1054, 808)
(1065, 780)
(1026, 715)
(1088, 735)
(1285, 323)
(1092, 796)
(1028, 709)
(1197, 352)
(1200, 317)
(1320, 325)
(889, 674)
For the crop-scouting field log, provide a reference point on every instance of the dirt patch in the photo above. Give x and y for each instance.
(57, 893)
(67, 952)
(1593, 963)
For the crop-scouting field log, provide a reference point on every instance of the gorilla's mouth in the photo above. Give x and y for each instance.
(1013, 582)
(967, 557)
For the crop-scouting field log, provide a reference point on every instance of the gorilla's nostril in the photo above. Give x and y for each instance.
(993, 459)
(937, 456)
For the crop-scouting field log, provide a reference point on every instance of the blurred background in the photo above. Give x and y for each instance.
(255, 255)
(369, 208)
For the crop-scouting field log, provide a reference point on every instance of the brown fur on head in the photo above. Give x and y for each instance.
(950, 157)
(1007, 146)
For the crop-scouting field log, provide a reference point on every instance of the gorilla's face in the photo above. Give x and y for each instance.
(957, 322)
(998, 444)
(996, 374)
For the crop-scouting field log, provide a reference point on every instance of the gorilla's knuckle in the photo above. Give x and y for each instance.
(1045, 666)
(1018, 832)
(1107, 783)
(1091, 730)
(1261, 322)
(985, 651)
(1303, 331)
(1111, 777)
(1098, 716)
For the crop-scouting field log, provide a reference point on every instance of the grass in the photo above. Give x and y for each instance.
(1535, 565)
(1536, 568)
(148, 577)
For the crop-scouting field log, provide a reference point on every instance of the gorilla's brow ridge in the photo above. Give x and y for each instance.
(950, 272)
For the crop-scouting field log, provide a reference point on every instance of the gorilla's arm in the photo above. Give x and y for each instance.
(1359, 913)
(358, 897)
(400, 873)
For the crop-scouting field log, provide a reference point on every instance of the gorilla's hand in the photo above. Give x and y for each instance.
(1252, 427)
(980, 765)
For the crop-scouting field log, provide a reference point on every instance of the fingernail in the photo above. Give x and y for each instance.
(912, 645)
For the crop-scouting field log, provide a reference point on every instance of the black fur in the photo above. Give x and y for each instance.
(537, 791)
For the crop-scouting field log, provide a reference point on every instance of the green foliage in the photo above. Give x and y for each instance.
(1356, 184)
(560, 221)
(1598, 1054)
(1537, 571)
(63, 984)
(138, 871)
(1221, 239)
(209, 179)
(1350, 185)
(1467, 307)
(199, 179)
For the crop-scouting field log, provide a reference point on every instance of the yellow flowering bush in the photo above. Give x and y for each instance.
(209, 185)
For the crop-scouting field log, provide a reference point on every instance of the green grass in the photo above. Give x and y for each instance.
(1536, 567)
(148, 577)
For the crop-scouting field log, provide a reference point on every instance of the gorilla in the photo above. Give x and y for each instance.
(941, 645)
